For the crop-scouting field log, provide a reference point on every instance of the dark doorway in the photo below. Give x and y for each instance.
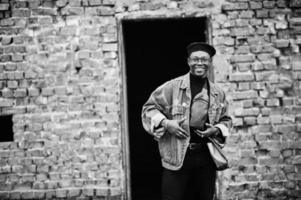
(7, 134)
(155, 51)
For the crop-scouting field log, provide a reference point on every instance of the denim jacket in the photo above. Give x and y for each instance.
(172, 101)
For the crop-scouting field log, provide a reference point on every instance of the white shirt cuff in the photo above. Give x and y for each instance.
(156, 120)
(224, 129)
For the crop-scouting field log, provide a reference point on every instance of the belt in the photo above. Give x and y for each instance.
(194, 146)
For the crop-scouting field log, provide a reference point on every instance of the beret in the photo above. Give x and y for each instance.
(200, 46)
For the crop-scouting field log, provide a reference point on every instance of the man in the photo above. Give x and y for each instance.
(181, 114)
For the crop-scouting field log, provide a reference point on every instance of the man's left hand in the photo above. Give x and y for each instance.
(211, 131)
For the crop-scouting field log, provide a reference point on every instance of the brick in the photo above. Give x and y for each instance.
(74, 11)
(4, 6)
(258, 85)
(154, 6)
(95, 2)
(242, 58)
(20, 92)
(242, 31)
(49, 194)
(6, 40)
(258, 102)
(255, 4)
(7, 93)
(244, 95)
(10, 67)
(61, 3)
(104, 11)
(12, 84)
(241, 77)
(242, 50)
(15, 195)
(294, 4)
(247, 103)
(39, 194)
(285, 129)
(8, 49)
(7, 22)
(297, 160)
(4, 195)
(61, 193)
(44, 11)
(43, 168)
(282, 43)
(265, 111)
(47, 91)
(268, 4)
(68, 30)
(21, 13)
(20, 49)
(270, 64)
(264, 76)
(17, 57)
(289, 119)
(288, 101)
(272, 102)
(83, 54)
(224, 40)
(88, 191)
(296, 65)
(257, 66)
(74, 192)
(262, 13)
(248, 14)
(237, 122)
(243, 67)
(255, 22)
(248, 161)
(235, 6)
(109, 47)
(264, 56)
(247, 112)
(33, 91)
(269, 161)
(75, 3)
(244, 86)
(109, 2)
(241, 22)
(249, 120)
(263, 120)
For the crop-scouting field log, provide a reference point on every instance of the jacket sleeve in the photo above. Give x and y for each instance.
(157, 108)
(224, 122)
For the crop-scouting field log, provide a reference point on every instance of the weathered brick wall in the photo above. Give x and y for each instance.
(60, 78)
(262, 42)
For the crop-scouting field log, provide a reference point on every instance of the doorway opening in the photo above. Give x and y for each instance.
(155, 52)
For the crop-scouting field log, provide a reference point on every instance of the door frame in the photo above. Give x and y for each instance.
(125, 144)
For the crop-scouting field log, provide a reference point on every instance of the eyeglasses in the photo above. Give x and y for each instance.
(201, 59)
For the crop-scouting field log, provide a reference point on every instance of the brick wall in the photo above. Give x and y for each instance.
(60, 78)
(262, 41)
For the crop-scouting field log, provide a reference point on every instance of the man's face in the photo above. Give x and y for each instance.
(199, 62)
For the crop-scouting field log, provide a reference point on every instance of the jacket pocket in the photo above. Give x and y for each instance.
(168, 148)
(178, 111)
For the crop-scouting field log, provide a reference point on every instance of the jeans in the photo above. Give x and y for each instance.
(194, 181)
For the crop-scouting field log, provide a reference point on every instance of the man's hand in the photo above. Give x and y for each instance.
(211, 131)
(173, 127)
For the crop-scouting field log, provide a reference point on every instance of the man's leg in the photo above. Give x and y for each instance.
(174, 184)
(205, 177)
